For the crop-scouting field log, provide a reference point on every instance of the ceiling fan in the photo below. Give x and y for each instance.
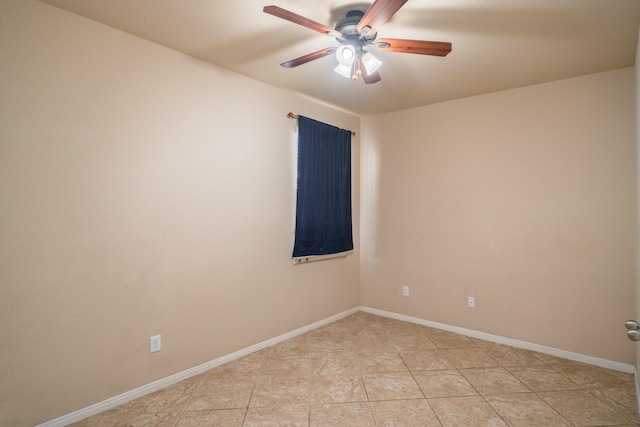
(357, 32)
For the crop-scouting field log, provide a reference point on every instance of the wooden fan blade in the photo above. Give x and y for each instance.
(413, 46)
(368, 78)
(301, 20)
(379, 13)
(309, 57)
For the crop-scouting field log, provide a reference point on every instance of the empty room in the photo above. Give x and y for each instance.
(154, 269)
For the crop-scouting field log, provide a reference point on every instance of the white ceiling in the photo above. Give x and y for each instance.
(497, 44)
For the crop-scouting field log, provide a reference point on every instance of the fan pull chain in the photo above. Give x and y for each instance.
(356, 71)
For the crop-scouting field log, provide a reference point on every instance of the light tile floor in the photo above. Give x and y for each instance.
(366, 370)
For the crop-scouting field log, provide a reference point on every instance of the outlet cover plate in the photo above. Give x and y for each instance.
(471, 302)
(405, 291)
(155, 343)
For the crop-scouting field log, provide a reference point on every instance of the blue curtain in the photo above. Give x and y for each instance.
(323, 198)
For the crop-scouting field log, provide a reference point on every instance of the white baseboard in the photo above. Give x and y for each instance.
(604, 363)
(180, 376)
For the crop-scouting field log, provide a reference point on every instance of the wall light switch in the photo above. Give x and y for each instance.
(471, 302)
(405, 291)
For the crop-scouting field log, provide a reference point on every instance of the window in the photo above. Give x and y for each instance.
(323, 196)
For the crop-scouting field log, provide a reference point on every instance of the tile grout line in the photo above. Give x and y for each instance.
(244, 418)
(536, 393)
(587, 390)
(473, 386)
(189, 401)
(554, 409)
(414, 378)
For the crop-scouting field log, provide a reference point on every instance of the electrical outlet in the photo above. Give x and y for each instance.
(155, 343)
(405, 291)
(471, 302)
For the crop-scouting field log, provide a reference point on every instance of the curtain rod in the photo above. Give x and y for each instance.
(295, 116)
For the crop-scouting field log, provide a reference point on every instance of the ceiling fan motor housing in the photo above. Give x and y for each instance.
(348, 27)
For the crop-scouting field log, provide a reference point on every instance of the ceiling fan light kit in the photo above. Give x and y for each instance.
(351, 60)
(371, 63)
(346, 54)
(343, 70)
(355, 32)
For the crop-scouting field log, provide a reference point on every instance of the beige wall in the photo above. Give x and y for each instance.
(143, 192)
(524, 199)
(637, 92)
